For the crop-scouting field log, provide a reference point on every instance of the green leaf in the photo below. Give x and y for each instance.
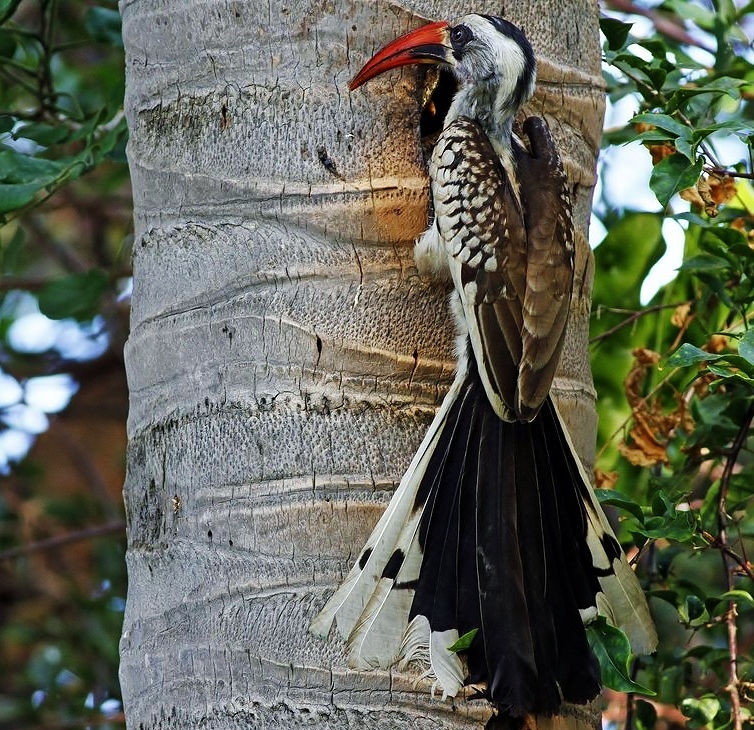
(11, 251)
(616, 32)
(463, 642)
(7, 122)
(678, 527)
(657, 76)
(673, 174)
(15, 196)
(735, 361)
(684, 147)
(662, 504)
(632, 246)
(656, 47)
(701, 712)
(746, 346)
(646, 715)
(708, 510)
(614, 498)
(719, 240)
(43, 134)
(22, 177)
(738, 595)
(704, 262)
(663, 121)
(721, 85)
(654, 135)
(688, 354)
(7, 8)
(76, 296)
(670, 683)
(18, 168)
(613, 652)
(733, 124)
(693, 612)
(104, 25)
(7, 44)
(668, 596)
(694, 218)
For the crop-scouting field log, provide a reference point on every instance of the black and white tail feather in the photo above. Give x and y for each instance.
(494, 528)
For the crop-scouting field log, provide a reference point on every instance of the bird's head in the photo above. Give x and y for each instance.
(490, 57)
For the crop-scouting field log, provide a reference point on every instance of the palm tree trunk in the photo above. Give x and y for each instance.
(284, 357)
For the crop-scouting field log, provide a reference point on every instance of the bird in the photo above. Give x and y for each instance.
(493, 554)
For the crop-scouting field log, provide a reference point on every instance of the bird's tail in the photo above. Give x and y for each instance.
(493, 532)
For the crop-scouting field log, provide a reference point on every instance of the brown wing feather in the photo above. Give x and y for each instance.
(482, 226)
(550, 263)
(512, 268)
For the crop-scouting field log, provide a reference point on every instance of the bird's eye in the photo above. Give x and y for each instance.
(460, 35)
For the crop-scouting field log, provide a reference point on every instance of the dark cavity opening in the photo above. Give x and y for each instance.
(439, 88)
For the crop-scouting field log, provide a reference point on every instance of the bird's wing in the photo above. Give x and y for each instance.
(512, 267)
(550, 262)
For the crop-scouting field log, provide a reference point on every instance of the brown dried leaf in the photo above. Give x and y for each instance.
(645, 356)
(652, 427)
(746, 226)
(680, 315)
(700, 386)
(605, 479)
(692, 196)
(739, 224)
(660, 151)
(645, 449)
(705, 190)
(716, 344)
(701, 198)
(722, 188)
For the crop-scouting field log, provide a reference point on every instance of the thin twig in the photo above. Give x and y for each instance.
(722, 523)
(633, 316)
(729, 173)
(743, 563)
(53, 543)
(630, 709)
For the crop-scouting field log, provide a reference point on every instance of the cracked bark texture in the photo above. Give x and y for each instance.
(285, 359)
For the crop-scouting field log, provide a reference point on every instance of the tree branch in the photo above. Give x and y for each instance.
(52, 543)
(664, 25)
(729, 173)
(722, 522)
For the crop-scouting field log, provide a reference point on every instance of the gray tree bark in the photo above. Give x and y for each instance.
(285, 359)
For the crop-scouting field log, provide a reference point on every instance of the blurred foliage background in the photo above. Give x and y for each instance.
(674, 370)
(65, 210)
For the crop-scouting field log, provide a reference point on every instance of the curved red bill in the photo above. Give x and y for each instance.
(428, 44)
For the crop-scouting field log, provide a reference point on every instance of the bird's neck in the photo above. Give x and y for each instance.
(484, 103)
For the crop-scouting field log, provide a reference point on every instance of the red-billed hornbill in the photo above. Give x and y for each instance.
(494, 527)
